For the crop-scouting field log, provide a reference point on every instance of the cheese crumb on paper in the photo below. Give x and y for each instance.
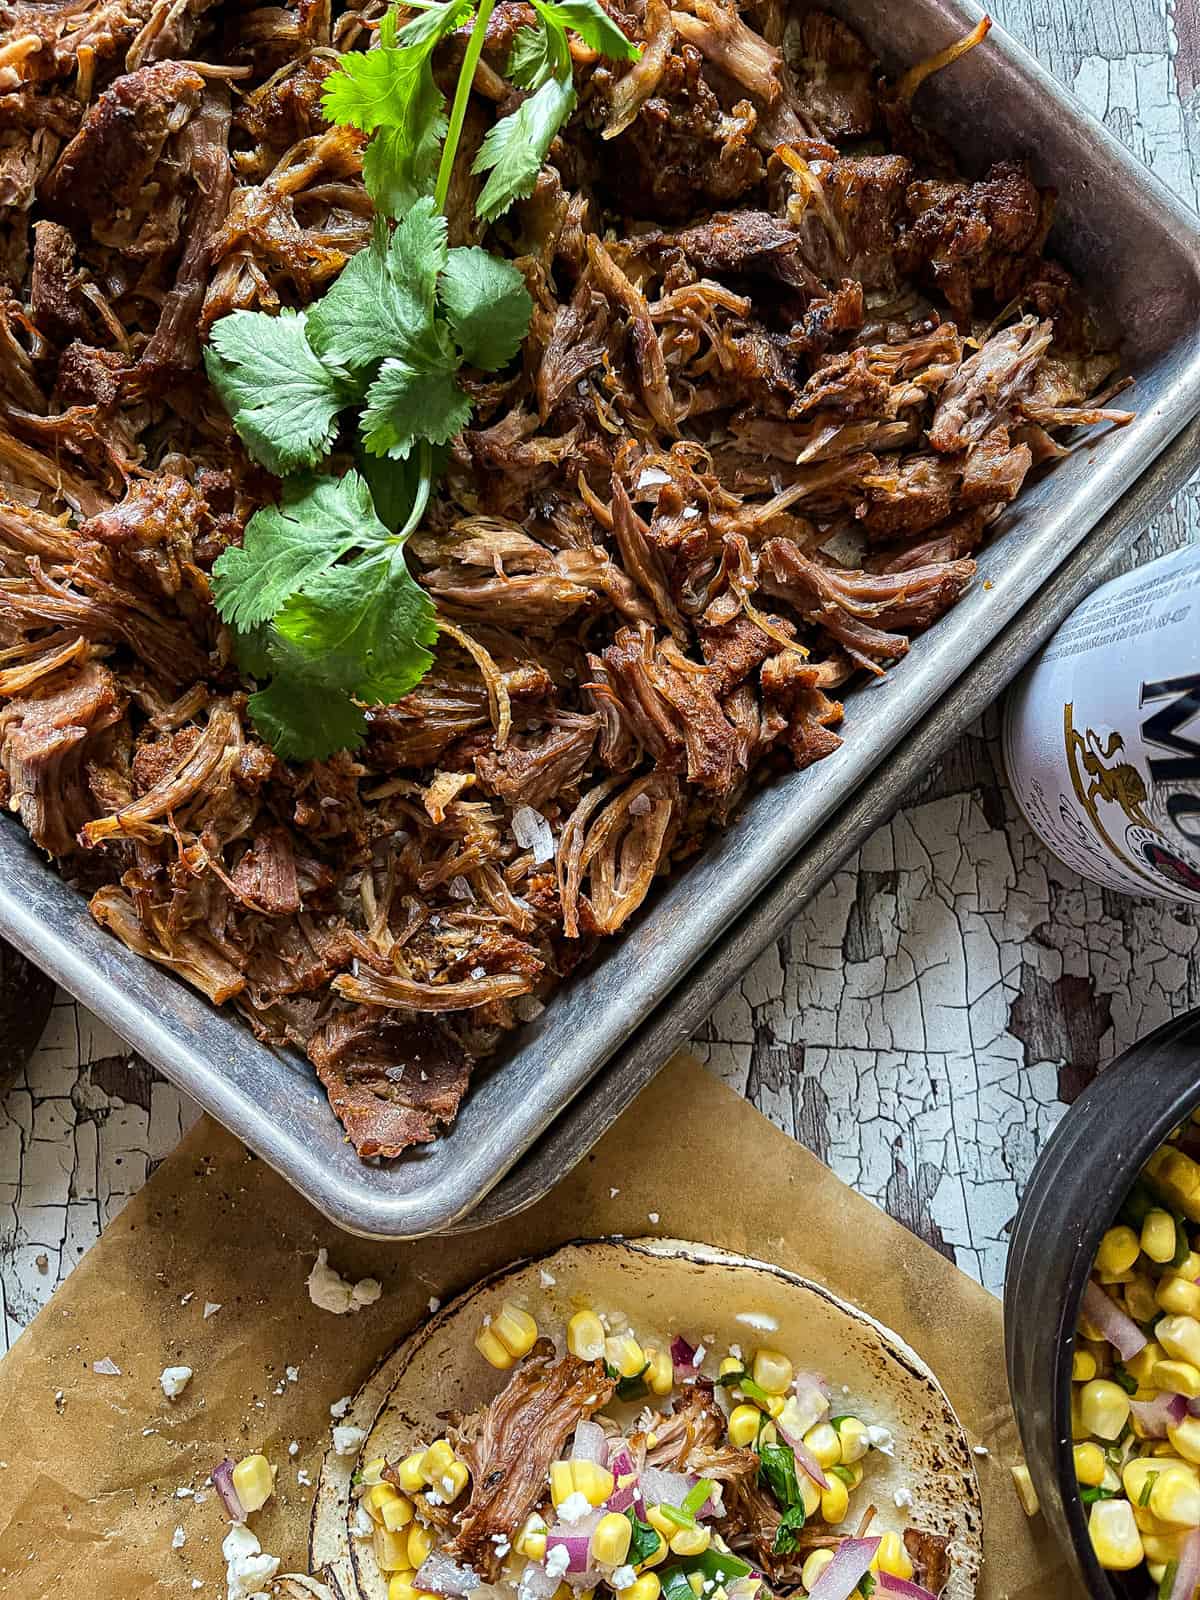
(329, 1291)
(247, 1569)
(178, 1539)
(106, 1367)
(347, 1439)
(174, 1381)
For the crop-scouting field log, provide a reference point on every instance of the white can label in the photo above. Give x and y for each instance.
(1102, 733)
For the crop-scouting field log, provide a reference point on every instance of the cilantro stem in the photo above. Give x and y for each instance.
(462, 95)
(421, 498)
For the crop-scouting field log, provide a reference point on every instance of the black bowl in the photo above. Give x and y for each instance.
(1073, 1194)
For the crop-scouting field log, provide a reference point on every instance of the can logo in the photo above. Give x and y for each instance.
(1150, 821)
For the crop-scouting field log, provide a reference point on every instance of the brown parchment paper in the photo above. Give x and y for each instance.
(97, 1471)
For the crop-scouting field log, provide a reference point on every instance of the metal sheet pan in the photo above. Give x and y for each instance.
(1137, 249)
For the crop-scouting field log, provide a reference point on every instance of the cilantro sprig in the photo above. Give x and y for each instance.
(325, 612)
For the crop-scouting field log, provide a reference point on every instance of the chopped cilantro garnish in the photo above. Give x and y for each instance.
(697, 1496)
(675, 1514)
(644, 1541)
(1147, 1488)
(777, 1465)
(785, 1535)
(1091, 1494)
(1126, 1379)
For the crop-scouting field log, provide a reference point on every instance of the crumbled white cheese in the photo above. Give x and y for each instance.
(548, 1279)
(574, 1508)
(903, 1499)
(303, 1478)
(364, 1528)
(557, 1559)
(329, 1291)
(184, 1493)
(292, 1374)
(434, 1498)
(880, 1438)
(339, 1408)
(106, 1367)
(613, 1193)
(736, 1351)
(247, 1569)
(500, 1540)
(294, 1448)
(347, 1439)
(175, 1380)
(761, 1320)
(434, 1304)
(623, 1578)
(654, 1217)
(211, 1307)
(178, 1539)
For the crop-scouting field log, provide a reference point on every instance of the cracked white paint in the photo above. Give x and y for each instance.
(880, 1029)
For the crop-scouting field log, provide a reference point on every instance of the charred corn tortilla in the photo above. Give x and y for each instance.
(667, 1288)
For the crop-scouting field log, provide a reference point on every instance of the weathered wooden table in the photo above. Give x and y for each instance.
(925, 1019)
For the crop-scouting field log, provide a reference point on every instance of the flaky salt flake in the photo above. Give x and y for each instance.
(434, 1304)
(106, 1367)
(533, 832)
(653, 1215)
(211, 1307)
(548, 1280)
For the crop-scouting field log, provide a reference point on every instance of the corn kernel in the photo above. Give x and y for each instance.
(593, 1481)
(1180, 1337)
(1148, 1523)
(810, 1494)
(1161, 1547)
(400, 1585)
(1177, 1377)
(696, 1584)
(1138, 1295)
(769, 1434)
(391, 1550)
(378, 1496)
(487, 1342)
(610, 1541)
(254, 1482)
(1189, 1267)
(1158, 1236)
(1141, 1366)
(1089, 1464)
(1175, 1497)
(562, 1481)
(647, 1587)
(852, 1436)
(1178, 1178)
(1114, 1535)
(453, 1481)
(835, 1501)
(585, 1336)
(1026, 1493)
(891, 1556)
(1083, 1366)
(1185, 1436)
(397, 1512)
(1104, 1407)
(661, 1525)
(852, 1476)
(373, 1471)
(1178, 1296)
(420, 1543)
(660, 1374)
(690, 1541)
(625, 1353)
(743, 1424)
(772, 1371)
(409, 1474)
(436, 1460)
(730, 1364)
(515, 1329)
(1156, 1571)
(815, 1565)
(1119, 1249)
(824, 1443)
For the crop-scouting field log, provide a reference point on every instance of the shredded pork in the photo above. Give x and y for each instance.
(755, 339)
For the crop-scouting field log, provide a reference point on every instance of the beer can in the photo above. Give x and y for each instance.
(1102, 733)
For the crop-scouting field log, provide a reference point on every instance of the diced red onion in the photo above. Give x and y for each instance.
(890, 1584)
(1187, 1573)
(1121, 1331)
(1193, 1407)
(846, 1571)
(222, 1482)
(590, 1443)
(621, 1499)
(1153, 1417)
(576, 1538)
(811, 1380)
(621, 1464)
(804, 1456)
(661, 1488)
(683, 1358)
(438, 1574)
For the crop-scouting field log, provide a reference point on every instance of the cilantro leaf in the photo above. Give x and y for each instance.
(488, 306)
(593, 25)
(282, 398)
(406, 403)
(531, 60)
(777, 1465)
(391, 92)
(365, 625)
(319, 520)
(785, 1535)
(304, 721)
(515, 148)
(383, 303)
(644, 1541)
